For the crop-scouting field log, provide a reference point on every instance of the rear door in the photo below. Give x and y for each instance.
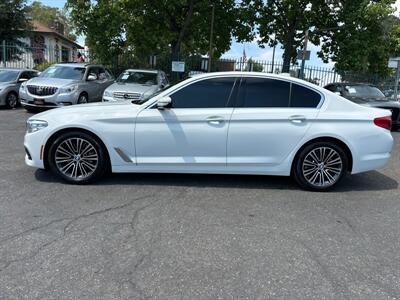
(272, 117)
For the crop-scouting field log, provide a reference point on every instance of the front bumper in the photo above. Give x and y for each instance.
(53, 101)
(34, 148)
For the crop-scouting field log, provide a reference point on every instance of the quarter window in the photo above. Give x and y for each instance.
(304, 97)
(264, 92)
(207, 93)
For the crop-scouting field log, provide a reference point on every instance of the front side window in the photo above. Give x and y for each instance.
(264, 92)
(74, 73)
(209, 93)
(304, 97)
(25, 75)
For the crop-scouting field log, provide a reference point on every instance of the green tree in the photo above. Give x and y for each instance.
(172, 28)
(177, 26)
(284, 22)
(47, 15)
(103, 23)
(13, 26)
(368, 35)
(13, 20)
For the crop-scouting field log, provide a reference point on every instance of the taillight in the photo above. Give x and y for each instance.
(384, 122)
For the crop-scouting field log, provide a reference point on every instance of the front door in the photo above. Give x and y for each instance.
(192, 133)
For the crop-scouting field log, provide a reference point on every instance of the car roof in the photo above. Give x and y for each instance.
(19, 69)
(261, 74)
(350, 83)
(78, 65)
(142, 70)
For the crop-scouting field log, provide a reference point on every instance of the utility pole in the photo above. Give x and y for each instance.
(273, 55)
(396, 84)
(210, 52)
(304, 56)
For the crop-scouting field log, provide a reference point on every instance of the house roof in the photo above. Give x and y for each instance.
(39, 27)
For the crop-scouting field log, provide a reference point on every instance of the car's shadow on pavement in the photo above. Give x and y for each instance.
(370, 181)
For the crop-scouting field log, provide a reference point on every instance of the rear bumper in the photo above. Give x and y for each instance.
(373, 152)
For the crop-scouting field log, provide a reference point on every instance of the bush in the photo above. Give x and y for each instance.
(43, 66)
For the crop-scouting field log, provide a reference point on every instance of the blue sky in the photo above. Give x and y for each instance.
(236, 51)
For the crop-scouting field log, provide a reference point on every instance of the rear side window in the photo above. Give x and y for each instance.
(264, 92)
(204, 94)
(304, 97)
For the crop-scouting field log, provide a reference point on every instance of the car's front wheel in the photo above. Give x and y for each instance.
(320, 166)
(12, 100)
(83, 99)
(78, 157)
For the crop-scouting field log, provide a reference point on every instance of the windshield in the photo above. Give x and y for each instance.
(363, 91)
(8, 75)
(145, 78)
(64, 73)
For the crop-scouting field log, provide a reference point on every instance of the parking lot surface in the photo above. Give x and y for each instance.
(163, 236)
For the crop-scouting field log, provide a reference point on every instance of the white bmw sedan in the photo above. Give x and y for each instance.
(226, 123)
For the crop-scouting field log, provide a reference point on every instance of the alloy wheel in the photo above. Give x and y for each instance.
(12, 100)
(322, 167)
(82, 99)
(76, 158)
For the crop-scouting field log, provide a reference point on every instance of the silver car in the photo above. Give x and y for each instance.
(10, 81)
(135, 85)
(65, 84)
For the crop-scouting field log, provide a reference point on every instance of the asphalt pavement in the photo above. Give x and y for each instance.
(163, 236)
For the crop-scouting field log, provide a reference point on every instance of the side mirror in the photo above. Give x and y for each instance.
(22, 80)
(91, 77)
(164, 102)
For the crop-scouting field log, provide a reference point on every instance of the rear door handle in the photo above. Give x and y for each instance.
(215, 120)
(297, 119)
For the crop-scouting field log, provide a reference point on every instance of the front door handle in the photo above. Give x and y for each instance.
(215, 120)
(297, 119)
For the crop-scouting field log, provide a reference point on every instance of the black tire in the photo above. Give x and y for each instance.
(328, 172)
(83, 164)
(83, 99)
(12, 100)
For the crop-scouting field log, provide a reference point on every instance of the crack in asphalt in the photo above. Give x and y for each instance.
(65, 229)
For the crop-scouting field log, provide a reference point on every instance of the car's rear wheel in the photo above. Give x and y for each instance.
(320, 166)
(83, 99)
(78, 157)
(12, 100)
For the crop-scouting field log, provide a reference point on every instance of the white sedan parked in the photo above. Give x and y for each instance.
(226, 123)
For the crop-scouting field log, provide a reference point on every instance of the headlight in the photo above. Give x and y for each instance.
(35, 125)
(107, 94)
(23, 85)
(69, 89)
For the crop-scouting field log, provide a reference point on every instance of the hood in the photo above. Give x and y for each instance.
(55, 82)
(131, 88)
(91, 111)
